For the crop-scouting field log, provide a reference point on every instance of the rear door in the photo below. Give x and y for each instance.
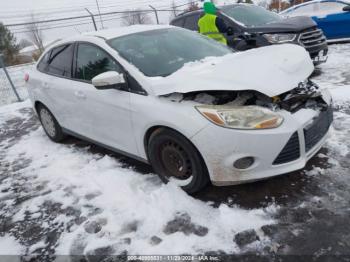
(105, 114)
(57, 85)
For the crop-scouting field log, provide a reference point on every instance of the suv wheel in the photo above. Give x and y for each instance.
(175, 159)
(51, 127)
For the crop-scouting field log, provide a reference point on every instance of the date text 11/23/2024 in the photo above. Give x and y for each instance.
(173, 258)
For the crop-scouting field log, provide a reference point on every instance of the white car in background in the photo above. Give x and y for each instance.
(192, 108)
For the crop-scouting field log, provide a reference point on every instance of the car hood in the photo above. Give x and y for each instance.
(270, 70)
(290, 24)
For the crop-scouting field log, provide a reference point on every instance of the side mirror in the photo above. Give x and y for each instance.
(346, 8)
(108, 80)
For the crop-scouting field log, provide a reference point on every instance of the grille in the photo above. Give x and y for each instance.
(318, 129)
(312, 38)
(290, 152)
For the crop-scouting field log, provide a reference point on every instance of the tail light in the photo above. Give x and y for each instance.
(26, 77)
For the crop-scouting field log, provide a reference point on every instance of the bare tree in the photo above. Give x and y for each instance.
(35, 34)
(192, 6)
(24, 43)
(136, 17)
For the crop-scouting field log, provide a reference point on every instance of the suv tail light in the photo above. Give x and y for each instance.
(26, 77)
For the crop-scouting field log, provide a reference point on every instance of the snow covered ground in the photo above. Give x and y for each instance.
(78, 199)
(17, 76)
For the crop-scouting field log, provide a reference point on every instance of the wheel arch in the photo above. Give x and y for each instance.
(150, 131)
(38, 103)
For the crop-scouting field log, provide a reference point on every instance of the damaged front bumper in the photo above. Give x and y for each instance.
(274, 151)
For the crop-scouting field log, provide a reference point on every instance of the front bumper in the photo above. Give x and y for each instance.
(221, 147)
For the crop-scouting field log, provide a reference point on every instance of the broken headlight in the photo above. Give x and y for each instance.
(241, 117)
(280, 38)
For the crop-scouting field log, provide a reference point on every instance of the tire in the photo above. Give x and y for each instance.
(173, 156)
(50, 125)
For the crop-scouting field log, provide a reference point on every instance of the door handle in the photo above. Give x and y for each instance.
(80, 95)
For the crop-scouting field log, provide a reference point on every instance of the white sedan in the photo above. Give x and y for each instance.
(192, 108)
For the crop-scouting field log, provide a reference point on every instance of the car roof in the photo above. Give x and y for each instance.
(107, 34)
(312, 2)
(201, 10)
(126, 30)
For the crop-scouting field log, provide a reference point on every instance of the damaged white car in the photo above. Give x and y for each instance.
(192, 108)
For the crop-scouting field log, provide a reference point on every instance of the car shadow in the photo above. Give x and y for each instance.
(280, 189)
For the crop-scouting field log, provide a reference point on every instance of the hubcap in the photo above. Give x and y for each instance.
(47, 122)
(176, 161)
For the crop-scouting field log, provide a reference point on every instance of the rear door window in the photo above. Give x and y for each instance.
(191, 22)
(92, 61)
(178, 23)
(60, 61)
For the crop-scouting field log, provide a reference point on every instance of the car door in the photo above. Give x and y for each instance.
(57, 85)
(331, 18)
(105, 114)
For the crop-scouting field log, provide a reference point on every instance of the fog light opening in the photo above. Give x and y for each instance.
(244, 163)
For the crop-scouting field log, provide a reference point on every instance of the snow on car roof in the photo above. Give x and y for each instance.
(111, 33)
(127, 30)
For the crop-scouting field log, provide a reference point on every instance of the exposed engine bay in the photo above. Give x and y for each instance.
(306, 95)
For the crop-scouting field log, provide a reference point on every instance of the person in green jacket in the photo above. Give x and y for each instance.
(211, 25)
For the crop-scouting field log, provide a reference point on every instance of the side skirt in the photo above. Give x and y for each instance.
(115, 150)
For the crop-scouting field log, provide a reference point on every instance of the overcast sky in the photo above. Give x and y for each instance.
(19, 11)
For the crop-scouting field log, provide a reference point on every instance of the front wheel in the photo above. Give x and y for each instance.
(174, 158)
(51, 127)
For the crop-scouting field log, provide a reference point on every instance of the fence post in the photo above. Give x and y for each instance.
(3, 66)
(93, 18)
(156, 13)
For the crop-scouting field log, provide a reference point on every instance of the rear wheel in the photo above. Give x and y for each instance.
(175, 159)
(51, 127)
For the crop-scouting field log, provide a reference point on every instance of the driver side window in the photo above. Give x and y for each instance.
(92, 61)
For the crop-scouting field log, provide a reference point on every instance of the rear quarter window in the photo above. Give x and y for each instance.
(42, 65)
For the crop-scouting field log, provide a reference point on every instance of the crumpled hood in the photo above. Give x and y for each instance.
(271, 70)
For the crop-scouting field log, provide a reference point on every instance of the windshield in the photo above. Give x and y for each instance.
(251, 15)
(164, 51)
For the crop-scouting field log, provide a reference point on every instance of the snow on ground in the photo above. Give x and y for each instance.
(67, 199)
(97, 202)
(16, 73)
(335, 74)
(9, 246)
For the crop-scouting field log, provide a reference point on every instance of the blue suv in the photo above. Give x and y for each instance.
(332, 16)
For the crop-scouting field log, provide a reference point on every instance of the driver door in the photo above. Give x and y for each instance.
(105, 113)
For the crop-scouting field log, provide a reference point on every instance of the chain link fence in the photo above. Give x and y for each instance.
(12, 84)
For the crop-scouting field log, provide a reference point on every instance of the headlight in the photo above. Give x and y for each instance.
(241, 117)
(280, 38)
